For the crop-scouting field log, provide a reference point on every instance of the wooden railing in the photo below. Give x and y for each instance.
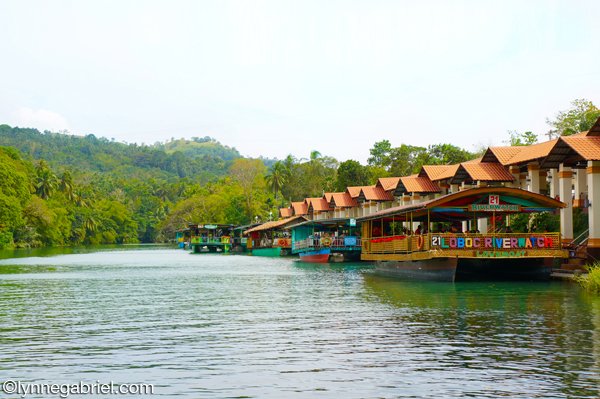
(328, 242)
(196, 240)
(532, 243)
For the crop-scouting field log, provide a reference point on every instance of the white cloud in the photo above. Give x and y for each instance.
(41, 119)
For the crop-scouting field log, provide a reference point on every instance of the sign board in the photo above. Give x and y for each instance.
(494, 208)
(352, 222)
(494, 199)
(210, 226)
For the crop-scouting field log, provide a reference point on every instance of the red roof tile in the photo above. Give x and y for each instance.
(416, 184)
(388, 183)
(487, 171)
(531, 152)
(354, 191)
(285, 212)
(376, 193)
(328, 196)
(588, 147)
(300, 208)
(438, 172)
(343, 200)
(317, 204)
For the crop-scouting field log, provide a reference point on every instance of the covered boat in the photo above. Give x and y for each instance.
(426, 240)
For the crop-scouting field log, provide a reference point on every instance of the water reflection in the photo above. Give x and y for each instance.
(231, 326)
(517, 332)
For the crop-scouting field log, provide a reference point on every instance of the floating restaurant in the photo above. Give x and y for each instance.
(449, 220)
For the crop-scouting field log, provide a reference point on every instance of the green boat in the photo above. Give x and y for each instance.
(210, 238)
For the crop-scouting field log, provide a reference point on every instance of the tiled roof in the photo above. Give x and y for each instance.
(502, 154)
(354, 191)
(328, 196)
(388, 183)
(285, 212)
(487, 171)
(416, 184)
(438, 172)
(588, 147)
(318, 204)
(300, 208)
(595, 130)
(532, 152)
(273, 224)
(376, 193)
(343, 200)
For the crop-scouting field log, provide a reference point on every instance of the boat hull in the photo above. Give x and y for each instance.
(318, 256)
(439, 269)
(268, 252)
(504, 269)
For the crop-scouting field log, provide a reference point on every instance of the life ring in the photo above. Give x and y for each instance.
(326, 241)
(420, 242)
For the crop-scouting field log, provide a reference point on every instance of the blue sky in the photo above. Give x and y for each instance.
(278, 77)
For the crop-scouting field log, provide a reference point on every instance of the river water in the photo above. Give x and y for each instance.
(221, 326)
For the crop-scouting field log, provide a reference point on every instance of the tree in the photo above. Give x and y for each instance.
(380, 154)
(276, 178)
(351, 173)
(249, 174)
(447, 154)
(521, 139)
(580, 117)
(46, 180)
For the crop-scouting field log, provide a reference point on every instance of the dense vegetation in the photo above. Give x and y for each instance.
(59, 189)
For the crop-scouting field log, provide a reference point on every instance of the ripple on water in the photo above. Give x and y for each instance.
(239, 326)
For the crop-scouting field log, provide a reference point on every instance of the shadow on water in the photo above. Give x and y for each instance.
(333, 267)
(546, 328)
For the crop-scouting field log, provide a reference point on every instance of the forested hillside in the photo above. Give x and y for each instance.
(58, 189)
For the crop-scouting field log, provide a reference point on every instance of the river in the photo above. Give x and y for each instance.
(222, 326)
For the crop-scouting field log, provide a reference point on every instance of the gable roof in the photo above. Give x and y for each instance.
(286, 212)
(417, 184)
(274, 224)
(502, 155)
(375, 193)
(342, 200)
(317, 204)
(588, 147)
(354, 191)
(438, 172)
(532, 152)
(483, 171)
(300, 208)
(388, 183)
(328, 196)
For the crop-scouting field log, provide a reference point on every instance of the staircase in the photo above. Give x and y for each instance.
(578, 256)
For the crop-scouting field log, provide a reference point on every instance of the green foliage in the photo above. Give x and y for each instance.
(591, 281)
(408, 159)
(535, 222)
(351, 173)
(521, 139)
(580, 117)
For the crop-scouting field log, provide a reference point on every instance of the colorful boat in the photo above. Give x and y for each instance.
(271, 239)
(443, 255)
(315, 241)
(316, 256)
(210, 237)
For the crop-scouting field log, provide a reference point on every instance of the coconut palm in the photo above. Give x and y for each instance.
(277, 177)
(46, 180)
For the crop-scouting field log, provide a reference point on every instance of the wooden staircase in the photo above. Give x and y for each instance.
(578, 257)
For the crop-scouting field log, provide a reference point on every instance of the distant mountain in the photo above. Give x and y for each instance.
(201, 159)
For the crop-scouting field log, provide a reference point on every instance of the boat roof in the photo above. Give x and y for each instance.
(323, 222)
(275, 224)
(452, 206)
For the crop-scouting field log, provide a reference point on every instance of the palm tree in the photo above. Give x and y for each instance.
(277, 177)
(46, 180)
(66, 185)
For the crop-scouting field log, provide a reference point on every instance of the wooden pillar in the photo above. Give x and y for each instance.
(444, 186)
(515, 171)
(533, 170)
(565, 183)
(593, 183)
(543, 182)
(523, 180)
(580, 188)
(553, 173)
